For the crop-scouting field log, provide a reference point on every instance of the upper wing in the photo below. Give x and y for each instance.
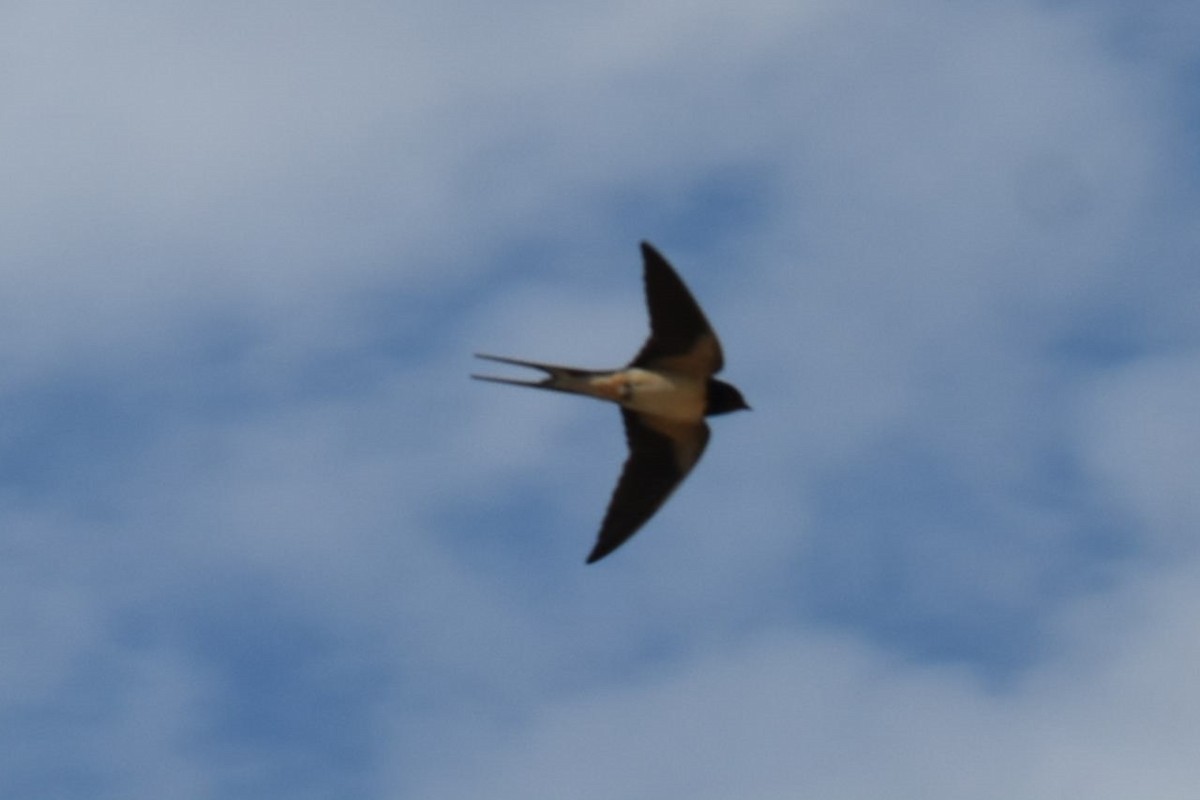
(680, 337)
(661, 454)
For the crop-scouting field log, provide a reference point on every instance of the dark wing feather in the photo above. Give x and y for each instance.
(680, 336)
(661, 454)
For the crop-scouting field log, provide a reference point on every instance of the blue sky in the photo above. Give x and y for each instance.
(262, 538)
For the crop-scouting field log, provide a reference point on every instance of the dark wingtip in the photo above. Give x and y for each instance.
(598, 552)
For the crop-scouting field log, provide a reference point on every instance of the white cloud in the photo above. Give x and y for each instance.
(807, 713)
(1142, 439)
(214, 214)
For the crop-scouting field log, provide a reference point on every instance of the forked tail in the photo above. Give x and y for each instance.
(559, 379)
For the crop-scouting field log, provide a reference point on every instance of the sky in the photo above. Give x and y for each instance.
(261, 537)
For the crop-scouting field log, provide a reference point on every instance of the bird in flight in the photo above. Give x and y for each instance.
(664, 394)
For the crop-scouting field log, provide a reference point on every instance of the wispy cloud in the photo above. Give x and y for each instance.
(261, 536)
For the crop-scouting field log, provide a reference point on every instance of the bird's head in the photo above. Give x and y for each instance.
(723, 398)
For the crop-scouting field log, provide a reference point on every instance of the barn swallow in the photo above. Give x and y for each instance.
(664, 394)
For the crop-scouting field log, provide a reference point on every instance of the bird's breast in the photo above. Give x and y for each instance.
(664, 394)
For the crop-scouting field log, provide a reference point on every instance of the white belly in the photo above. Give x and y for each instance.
(677, 397)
